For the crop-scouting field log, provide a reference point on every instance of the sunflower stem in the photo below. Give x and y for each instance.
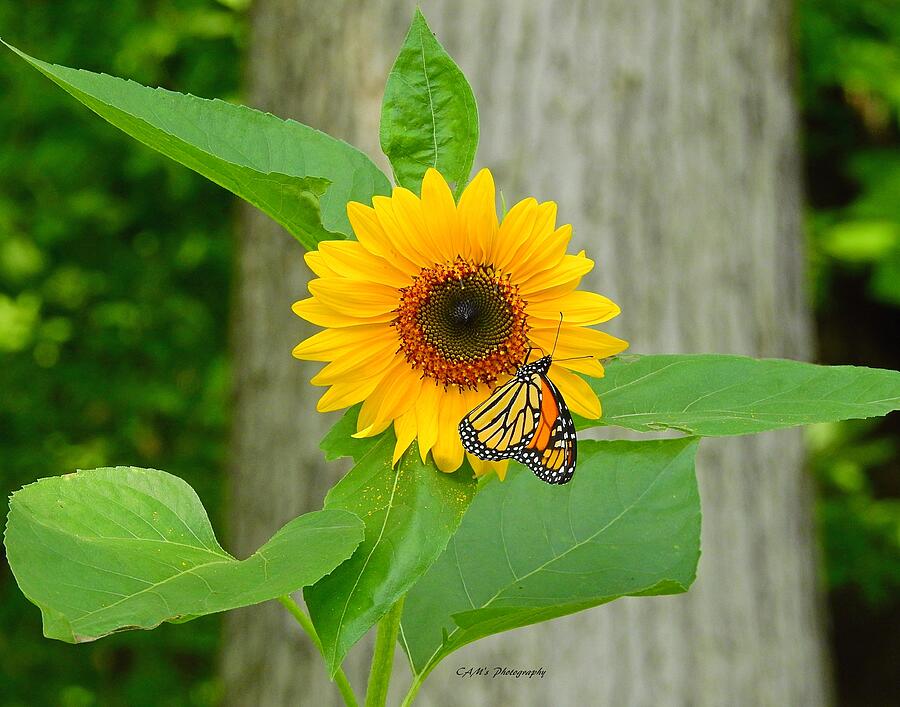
(383, 657)
(413, 690)
(340, 678)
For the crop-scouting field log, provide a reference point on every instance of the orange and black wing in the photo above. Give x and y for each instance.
(552, 450)
(503, 424)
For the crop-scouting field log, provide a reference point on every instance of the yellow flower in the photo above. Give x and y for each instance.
(437, 303)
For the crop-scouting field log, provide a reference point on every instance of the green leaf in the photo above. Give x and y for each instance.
(339, 442)
(410, 512)
(627, 524)
(301, 177)
(428, 116)
(714, 394)
(120, 548)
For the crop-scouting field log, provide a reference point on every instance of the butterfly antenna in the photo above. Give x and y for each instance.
(556, 340)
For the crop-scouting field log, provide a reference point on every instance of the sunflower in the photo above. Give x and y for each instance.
(436, 303)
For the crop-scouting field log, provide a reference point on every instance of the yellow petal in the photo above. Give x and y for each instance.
(401, 232)
(577, 393)
(577, 341)
(579, 307)
(405, 429)
(317, 313)
(439, 211)
(355, 297)
(316, 263)
(483, 468)
(351, 259)
(589, 366)
(571, 269)
(361, 362)
(479, 466)
(427, 409)
(550, 254)
(477, 212)
(448, 450)
(395, 394)
(513, 232)
(538, 250)
(332, 343)
(410, 214)
(371, 234)
(345, 394)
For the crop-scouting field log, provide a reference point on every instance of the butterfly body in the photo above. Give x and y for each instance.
(525, 419)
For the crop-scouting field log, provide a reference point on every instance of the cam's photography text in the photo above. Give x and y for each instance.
(499, 671)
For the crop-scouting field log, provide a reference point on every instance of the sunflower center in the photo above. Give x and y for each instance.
(462, 324)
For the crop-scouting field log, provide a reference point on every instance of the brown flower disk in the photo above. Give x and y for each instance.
(462, 324)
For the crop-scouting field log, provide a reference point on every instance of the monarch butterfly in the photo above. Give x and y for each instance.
(525, 419)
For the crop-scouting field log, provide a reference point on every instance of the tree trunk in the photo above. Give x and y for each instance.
(308, 61)
(667, 133)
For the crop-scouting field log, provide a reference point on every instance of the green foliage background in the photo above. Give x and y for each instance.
(850, 93)
(114, 277)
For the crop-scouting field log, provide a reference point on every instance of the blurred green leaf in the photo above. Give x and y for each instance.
(80, 192)
(18, 320)
(627, 524)
(410, 512)
(301, 177)
(717, 394)
(20, 258)
(112, 549)
(861, 241)
(885, 282)
(428, 116)
(860, 525)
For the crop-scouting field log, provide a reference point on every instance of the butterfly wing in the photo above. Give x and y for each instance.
(552, 450)
(503, 424)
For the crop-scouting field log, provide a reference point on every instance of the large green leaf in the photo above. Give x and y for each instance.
(429, 117)
(410, 512)
(119, 548)
(627, 524)
(714, 394)
(301, 177)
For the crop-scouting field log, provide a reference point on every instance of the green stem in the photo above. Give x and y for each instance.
(383, 658)
(418, 679)
(306, 624)
(413, 690)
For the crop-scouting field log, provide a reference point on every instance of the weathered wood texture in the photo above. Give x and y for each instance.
(667, 133)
